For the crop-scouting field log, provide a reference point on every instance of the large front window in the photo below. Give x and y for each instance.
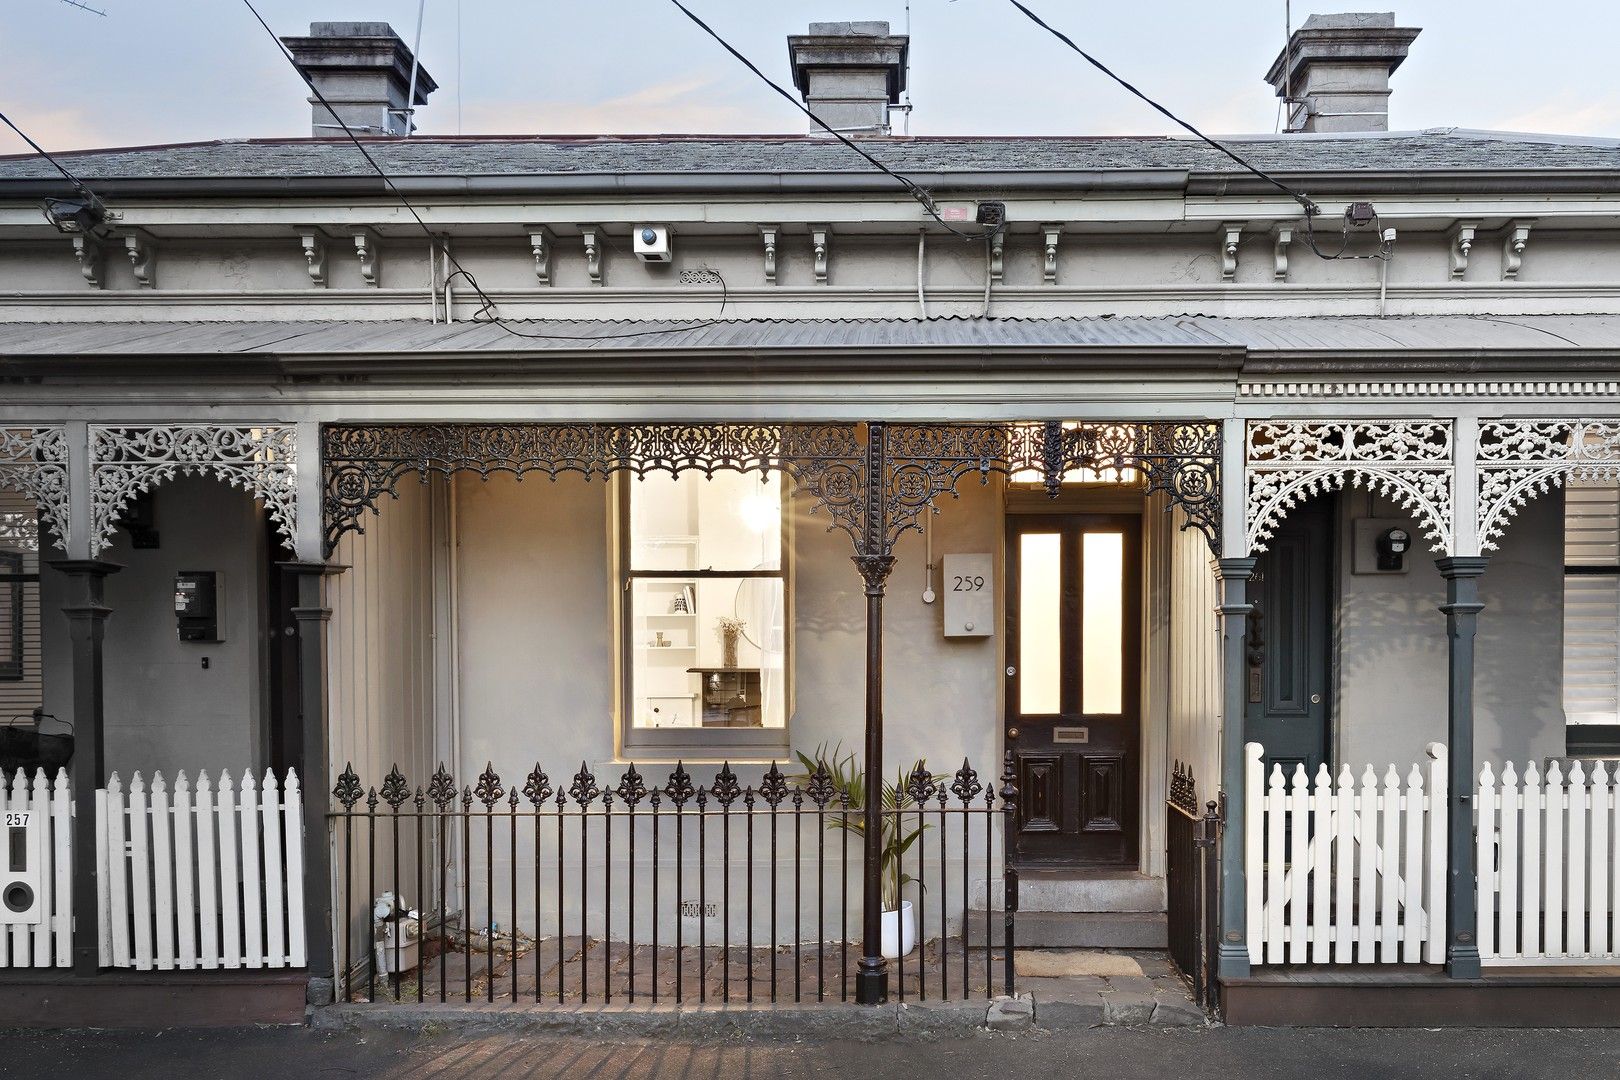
(705, 611)
(1592, 616)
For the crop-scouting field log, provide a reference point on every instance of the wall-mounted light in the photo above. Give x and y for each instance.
(84, 215)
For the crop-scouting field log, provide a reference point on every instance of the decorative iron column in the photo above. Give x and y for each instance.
(1462, 608)
(1233, 952)
(312, 615)
(874, 562)
(87, 624)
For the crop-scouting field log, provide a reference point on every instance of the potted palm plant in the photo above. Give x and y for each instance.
(897, 836)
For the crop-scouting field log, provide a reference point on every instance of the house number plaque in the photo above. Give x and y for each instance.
(969, 588)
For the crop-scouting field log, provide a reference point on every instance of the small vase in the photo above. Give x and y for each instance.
(728, 648)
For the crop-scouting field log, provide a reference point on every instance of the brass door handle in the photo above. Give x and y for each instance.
(1012, 733)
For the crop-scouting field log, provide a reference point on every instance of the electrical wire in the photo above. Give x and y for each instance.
(78, 185)
(1300, 197)
(917, 191)
(488, 309)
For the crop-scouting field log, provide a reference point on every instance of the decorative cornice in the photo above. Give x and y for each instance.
(540, 245)
(1512, 388)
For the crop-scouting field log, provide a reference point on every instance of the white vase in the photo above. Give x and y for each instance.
(899, 932)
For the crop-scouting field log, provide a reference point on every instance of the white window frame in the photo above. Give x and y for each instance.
(742, 743)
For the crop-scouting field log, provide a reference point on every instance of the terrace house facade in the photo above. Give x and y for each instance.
(1158, 493)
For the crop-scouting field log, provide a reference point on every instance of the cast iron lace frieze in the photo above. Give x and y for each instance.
(1409, 461)
(1520, 459)
(1181, 459)
(34, 463)
(874, 481)
(126, 461)
(365, 462)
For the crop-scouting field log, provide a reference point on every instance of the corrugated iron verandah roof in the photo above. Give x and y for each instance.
(1315, 334)
(568, 335)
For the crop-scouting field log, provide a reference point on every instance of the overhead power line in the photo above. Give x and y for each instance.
(1304, 200)
(78, 185)
(488, 309)
(917, 191)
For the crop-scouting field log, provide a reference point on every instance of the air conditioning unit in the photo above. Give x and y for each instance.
(652, 243)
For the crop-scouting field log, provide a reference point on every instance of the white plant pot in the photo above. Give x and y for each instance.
(410, 950)
(899, 932)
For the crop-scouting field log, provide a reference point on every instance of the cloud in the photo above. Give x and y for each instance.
(1567, 115)
(61, 129)
(685, 105)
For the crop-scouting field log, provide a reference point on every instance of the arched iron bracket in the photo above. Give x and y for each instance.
(34, 463)
(1180, 458)
(125, 461)
(1520, 459)
(1410, 461)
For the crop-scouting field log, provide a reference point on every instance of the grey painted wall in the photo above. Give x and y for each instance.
(164, 710)
(1391, 647)
(535, 606)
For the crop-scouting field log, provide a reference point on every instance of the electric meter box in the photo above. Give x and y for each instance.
(20, 893)
(969, 588)
(197, 612)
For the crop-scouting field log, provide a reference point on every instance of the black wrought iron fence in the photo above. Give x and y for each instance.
(676, 892)
(1192, 873)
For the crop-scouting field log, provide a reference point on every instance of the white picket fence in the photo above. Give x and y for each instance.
(1549, 877)
(205, 878)
(1345, 873)
(49, 942)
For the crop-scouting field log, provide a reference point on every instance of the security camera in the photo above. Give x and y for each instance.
(652, 243)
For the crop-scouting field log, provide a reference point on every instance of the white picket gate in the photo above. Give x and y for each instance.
(211, 878)
(49, 942)
(1341, 873)
(1549, 878)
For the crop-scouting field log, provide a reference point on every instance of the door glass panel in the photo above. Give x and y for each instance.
(1102, 623)
(1040, 639)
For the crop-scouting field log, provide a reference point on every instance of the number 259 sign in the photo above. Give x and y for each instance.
(969, 586)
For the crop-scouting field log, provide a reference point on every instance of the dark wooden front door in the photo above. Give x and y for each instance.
(1073, 673)
(1289, 630)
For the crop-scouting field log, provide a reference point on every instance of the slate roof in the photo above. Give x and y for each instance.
(517, 156)
(1467, 334)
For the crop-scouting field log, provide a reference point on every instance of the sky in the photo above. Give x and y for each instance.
(154, 71)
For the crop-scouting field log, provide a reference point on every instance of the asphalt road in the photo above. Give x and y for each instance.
(1111, 1053)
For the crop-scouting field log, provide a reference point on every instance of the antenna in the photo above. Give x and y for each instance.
(416, 63)
(85, 7)
(1288, 64)
(905, 124)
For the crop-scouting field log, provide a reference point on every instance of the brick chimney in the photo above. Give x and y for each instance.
(364, 70)
(1335, 71)
(850, 73)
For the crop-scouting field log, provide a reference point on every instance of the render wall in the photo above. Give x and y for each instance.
(536, 604)
(1194, 676)
(164, 709)
(536, 641)
(382, 693)
(1392, 655)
